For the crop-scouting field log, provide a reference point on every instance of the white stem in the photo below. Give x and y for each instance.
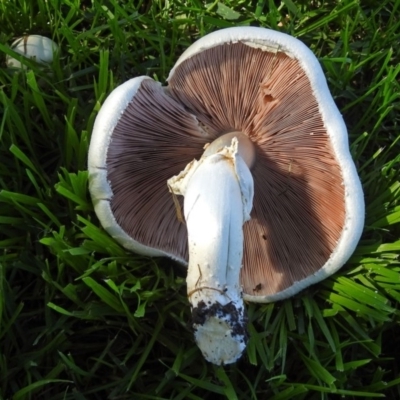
(218, 192)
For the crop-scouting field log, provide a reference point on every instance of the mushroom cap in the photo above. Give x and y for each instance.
(308, 210)
(37, 47)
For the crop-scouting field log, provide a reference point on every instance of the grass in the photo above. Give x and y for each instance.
(81, 318)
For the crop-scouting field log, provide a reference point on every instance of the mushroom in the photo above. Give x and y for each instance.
(39, 48)
(249, 134)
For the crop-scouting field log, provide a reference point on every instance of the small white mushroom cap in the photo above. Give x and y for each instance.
(36, 47)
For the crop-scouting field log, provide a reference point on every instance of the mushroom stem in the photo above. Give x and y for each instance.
(218, 192)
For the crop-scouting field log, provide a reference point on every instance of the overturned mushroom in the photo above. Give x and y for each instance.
(246, 131)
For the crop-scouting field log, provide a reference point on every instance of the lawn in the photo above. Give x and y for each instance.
(82, 318)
